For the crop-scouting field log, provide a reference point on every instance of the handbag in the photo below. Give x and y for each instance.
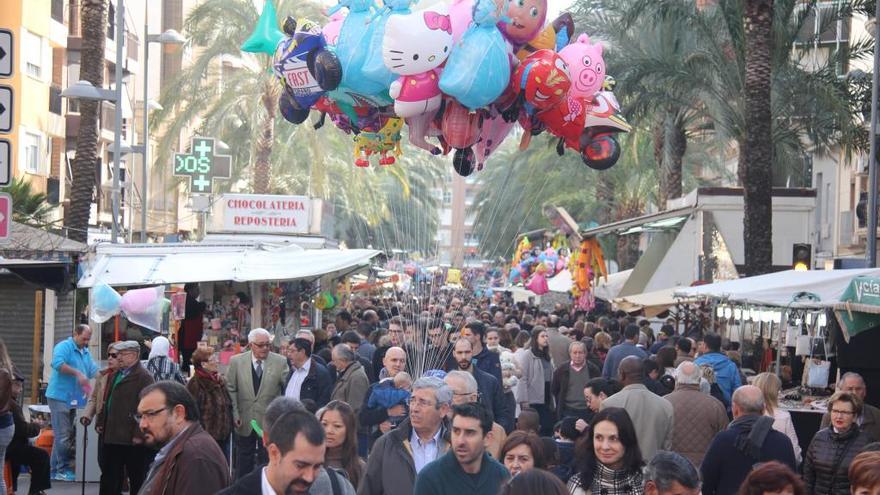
(817, 370)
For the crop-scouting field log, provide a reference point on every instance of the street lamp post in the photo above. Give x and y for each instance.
(871, 254)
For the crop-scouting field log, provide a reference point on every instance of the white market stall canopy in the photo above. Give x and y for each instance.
(652, 303)
(778, 289)
(608, 288)
(154, 264)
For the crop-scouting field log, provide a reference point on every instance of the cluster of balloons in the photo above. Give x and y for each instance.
(533, 267)
(458, 76)
(143, 307)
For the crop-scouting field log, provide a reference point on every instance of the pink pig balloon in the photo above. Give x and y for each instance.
(587, 68)
(331, 30)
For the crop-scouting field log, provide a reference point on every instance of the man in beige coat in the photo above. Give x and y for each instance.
(351, 382)
(254, 378)
(651, 414)
(698, 416)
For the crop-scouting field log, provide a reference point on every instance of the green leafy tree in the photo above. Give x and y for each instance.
(28, 206)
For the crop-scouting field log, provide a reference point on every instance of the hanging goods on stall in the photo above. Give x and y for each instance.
(817, 371)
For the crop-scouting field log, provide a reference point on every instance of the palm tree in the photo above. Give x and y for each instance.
(94, 28)
(237, 105)
(28, 207)
(756, 158)
(813, 110)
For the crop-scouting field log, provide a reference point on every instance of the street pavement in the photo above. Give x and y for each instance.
(58, 487)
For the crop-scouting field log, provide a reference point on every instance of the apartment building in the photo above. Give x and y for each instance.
(457, 244)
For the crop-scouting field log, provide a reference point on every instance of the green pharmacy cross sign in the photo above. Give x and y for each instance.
(203, 165)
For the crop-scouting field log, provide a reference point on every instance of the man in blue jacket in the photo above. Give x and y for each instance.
(624, 349)
(72, 368)
(726, 372)
(308, 379)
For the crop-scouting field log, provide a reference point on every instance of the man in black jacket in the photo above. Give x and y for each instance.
(20, 452)
(486, 360)
(491, 393)
(308, 379)
(569, 381)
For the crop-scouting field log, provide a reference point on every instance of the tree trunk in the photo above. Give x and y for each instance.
(628, 245)
(82, 191)
(675, 146)
(263, 152)
(605, 198)
(756, 150)
(659, 137)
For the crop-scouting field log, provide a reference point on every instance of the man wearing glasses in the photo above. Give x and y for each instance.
(254, 378)
(401, 453)
(123, 447)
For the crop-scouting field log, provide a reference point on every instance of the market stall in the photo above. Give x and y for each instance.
(244, 284)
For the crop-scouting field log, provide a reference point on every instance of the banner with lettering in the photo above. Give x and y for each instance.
(859, 306)
(266, 213)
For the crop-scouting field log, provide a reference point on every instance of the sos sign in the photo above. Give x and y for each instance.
(202, 165)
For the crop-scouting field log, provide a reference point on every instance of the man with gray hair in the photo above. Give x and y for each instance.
(253, 379)
(698, 416)
(401, 453)
(464, 389)
(750, 439)
(351, 380)
(569, 380)
(669, 473)
(869, 420)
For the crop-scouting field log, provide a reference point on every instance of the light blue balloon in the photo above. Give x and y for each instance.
(374, 67)
(478, 70)
(352, 48)
(266, 35)
(105, 303)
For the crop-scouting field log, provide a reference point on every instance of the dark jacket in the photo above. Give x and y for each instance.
(23, 429)
(826, 464)
(870, 421)
(492, 396)
(559, 382)
(120, 403)
(725, 467)
(369, 417)
(490, 362)
(390, 466)
(317, 386)
(195, 466)
(252, 483)
(445, 476)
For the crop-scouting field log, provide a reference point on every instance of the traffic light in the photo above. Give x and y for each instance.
(802, 257)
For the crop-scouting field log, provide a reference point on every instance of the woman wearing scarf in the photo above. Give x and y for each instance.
(208, 387)
(159, 365)
(609, 460)
(829, 455)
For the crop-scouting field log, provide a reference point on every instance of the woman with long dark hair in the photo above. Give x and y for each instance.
(534, 386)
(340, 428)
(609, 460)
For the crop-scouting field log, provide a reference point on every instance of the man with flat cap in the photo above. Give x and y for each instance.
(123, 441)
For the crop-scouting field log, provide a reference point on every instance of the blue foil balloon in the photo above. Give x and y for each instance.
(374, 67)
(478, 69)
(105, 303)
(352, 48)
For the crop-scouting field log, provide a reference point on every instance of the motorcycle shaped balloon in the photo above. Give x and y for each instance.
(414, 46)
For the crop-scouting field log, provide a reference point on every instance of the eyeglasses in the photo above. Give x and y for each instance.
(148, 414)
(420, 402)
(842, 413)
(112, 354)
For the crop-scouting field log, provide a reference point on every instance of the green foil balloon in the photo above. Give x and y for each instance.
(266, 34)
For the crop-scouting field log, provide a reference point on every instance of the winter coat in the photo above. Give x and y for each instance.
(247, 405)
(317, 386)
(446, 477)
(726, 373)
(617, 354)
(391, 469)
(96, 400)
(214, 404)
(195, 465)
(826, 465)
(698, 418)
(351, 387)
(492, 396)
(530, 388)
(870, 421)
(119, 428)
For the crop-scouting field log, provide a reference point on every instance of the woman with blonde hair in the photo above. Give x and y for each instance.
(770, 385)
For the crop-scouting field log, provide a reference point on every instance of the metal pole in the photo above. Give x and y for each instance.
(871, 255)
(146, 151)
(117, 131)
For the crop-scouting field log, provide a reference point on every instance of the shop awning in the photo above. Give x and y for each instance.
(152, 264)
(608, 288)
(780, 288)
(652, 303)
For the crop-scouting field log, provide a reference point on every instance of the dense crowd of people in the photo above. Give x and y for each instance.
(461, 396)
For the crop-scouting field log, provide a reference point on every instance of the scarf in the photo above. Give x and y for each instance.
(607, 481)
(208, 375)
(160, 346)
(753, 431)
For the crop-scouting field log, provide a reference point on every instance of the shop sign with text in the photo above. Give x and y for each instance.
(266, 213)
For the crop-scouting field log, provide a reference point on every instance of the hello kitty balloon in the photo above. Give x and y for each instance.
(414, 46)
(586, 66)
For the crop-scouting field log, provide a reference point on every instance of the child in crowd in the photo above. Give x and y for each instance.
(391, 393)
